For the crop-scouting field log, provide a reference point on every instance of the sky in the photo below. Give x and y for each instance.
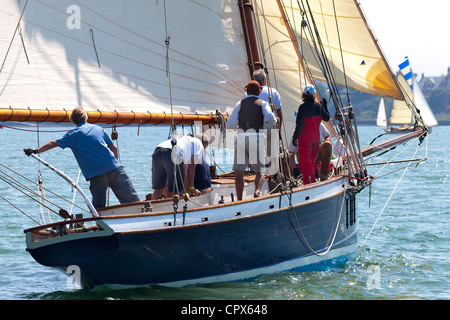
(413, 28)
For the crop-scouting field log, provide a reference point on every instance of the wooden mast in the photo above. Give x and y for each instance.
(251, 43)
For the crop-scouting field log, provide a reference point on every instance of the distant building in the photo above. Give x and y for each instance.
(428, 84)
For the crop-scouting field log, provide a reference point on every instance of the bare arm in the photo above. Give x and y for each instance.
(279, 115)
(189, 176)
(49, 145)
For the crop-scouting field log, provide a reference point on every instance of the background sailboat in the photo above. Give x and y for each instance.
(147, 62)
(381, 115)
(401, 113)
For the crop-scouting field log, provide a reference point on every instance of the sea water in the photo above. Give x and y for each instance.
(403, 242)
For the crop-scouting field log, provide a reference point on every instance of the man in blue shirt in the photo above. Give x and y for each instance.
(97, 157)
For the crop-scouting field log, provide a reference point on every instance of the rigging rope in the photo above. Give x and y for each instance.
(390, 196)
(19, 209)
(399, 153)
(336, 223)
(356, 162)
(14, 35)
(341, 51)
(167, 42)
(284, 159)
(16, 184)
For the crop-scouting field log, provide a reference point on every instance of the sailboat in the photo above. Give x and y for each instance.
(180, 62)
(381, 115)
(402, 113)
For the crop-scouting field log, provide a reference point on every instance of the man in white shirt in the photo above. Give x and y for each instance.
(174, 162)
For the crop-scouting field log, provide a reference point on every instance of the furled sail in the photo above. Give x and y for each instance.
(123, 57)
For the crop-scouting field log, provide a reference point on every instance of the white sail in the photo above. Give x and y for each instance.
(401, 113)
(62, 39)
(112, 56)
(381, 116)
(422, 104)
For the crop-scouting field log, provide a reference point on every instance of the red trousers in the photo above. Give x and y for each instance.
(308, 147)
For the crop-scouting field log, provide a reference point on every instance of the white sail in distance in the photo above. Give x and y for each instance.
(401, 113)
(381, 115)
(421, 103)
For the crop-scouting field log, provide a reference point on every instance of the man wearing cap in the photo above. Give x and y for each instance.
(249, 116)
(307, 132)
(268, 94)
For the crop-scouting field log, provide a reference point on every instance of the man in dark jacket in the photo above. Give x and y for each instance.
(249, 115)
(307, 132)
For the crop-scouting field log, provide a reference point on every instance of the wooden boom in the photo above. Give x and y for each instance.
(391, 142)
(59, 116)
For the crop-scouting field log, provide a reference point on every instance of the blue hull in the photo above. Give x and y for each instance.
(287, 239)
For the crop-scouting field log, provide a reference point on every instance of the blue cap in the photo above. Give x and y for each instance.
(310, 89)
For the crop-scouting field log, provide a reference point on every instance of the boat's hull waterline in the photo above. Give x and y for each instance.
(227, 242)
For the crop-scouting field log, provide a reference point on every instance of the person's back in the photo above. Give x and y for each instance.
(312, 117)
(250, 114)
(89, 144)
(307, 132)
(97, 157)
(190, 149)
(268, 94)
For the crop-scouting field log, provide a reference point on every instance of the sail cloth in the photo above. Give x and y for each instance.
(111, 55)
(381, 115)
(421, 103)
(401, 112)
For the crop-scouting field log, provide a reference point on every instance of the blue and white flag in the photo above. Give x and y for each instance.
(406, 70)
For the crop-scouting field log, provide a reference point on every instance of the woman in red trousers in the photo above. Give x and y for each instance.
(307, 134)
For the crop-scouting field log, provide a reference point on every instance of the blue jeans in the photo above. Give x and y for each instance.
(120, 184)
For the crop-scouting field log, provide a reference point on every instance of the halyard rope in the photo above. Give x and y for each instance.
(392, 193)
